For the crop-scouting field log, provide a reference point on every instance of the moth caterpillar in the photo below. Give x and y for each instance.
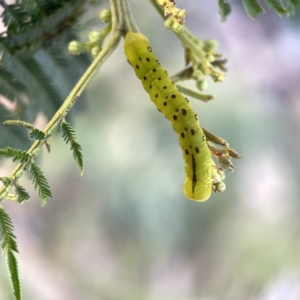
(199, 167)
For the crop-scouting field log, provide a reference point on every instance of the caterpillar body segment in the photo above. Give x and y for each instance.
(176, 108)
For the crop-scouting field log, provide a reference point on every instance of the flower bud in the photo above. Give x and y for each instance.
(36, 152)
(105, 16)
(197, 75)
(220, 187)
(201, 85)
(75, 47)
(95, 51)
(169, 23)
(210, 46)
(94, 36)
(19, 174)
(181, 16)
(210, 58)
(177, 27)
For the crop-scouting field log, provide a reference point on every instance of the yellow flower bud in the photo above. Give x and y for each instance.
(94, 36)
(197, 75)
(220, 187)
(177, 27)
(169, 23)
(210, 46)
(210, 58)
(36, 152)
(19, 174)
(95, 51)
(105, 16)
(181, 16)
(201, 85)
(75, 48)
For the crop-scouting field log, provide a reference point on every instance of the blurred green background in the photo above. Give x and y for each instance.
(125, 230)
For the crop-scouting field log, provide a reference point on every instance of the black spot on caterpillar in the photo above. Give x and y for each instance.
(176, 108)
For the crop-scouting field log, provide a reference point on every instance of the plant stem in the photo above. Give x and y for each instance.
(110, 46)
(185, 36)
(196, 95)
(190, 42)
(122, 22)
(130, 24)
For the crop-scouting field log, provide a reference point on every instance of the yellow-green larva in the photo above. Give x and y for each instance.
(166, 97)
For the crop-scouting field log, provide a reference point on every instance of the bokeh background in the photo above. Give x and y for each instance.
(124, 230)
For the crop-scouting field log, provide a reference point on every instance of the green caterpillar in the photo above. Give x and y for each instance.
(199, 167)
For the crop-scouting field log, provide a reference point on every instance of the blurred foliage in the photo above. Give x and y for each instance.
(283, 8)
(9, 246)
(34, 48)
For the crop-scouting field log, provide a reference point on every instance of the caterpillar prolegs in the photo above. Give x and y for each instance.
(202, 174)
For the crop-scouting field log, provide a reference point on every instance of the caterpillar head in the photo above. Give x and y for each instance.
(134, 39)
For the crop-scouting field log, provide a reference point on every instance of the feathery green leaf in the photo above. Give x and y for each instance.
(39, 181)
(224, 9)
(36, 30)
(6, 180)
(15, 153)
(277, 6)
(29, 30)
(14, 16)
(8, 245)
(37, 134)
(290, 6)
(7, 236)
(9, 86)
(14, 274)
(253, 8)
(28, 75)
(68, 135)
(21, 193)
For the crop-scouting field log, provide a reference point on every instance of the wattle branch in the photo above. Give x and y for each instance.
(110, 46)
(121, 22)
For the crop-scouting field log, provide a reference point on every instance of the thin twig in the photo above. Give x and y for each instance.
(110, 46)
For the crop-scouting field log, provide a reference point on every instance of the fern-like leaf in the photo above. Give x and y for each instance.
(37, 134)
(14, 274)
(23, 73)
(6, 180)
(15, 153)
(39, 181)
(9, 86)
(253, 8)
(45, 80)
(14, 16)
(277, 6)
(68, 135)
(9, 245)
(7, 236)
(22, 33)
(21, 194)
(290, 6)
(224, 9)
